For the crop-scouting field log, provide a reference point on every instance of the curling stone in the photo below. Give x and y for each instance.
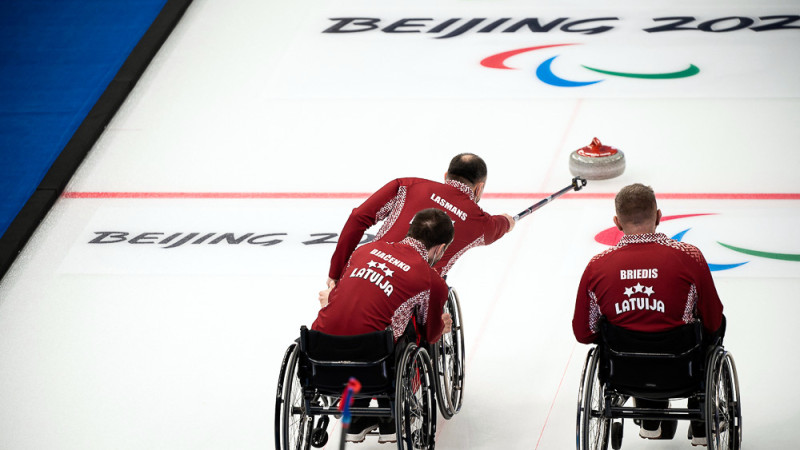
(597, 161)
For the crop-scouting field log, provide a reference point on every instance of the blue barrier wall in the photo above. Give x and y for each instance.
(56, 59)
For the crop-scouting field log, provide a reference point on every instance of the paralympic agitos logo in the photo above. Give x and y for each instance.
(545, 72)
(611, 236)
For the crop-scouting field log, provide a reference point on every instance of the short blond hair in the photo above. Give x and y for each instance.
(636, 204)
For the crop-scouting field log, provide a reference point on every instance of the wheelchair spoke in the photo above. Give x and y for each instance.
(417, 408)
(296, 425)
(297, 419)
(597, 424)
(448, 366)
(298, 438)
(593, 427)
(413, 417)
(723, 410)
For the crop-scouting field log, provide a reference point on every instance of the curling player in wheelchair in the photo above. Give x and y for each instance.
(396, 203)
(648, 283)
(391, 284)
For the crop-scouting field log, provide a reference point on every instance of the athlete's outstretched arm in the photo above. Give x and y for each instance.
(364, 216)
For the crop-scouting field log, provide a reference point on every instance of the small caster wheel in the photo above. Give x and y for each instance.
(616, 435)
(319, 437)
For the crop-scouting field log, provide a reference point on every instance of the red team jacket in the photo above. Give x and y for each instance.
(381, 286)
(648, 282)
(398, 201)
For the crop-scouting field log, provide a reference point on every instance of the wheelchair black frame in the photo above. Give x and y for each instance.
(613, 402)
(311, 409)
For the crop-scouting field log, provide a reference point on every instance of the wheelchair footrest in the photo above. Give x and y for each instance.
(622, 412)
(363, 412)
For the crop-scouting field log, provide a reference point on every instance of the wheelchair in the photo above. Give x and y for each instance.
(448, 361)
(677, 365)
(317, 367)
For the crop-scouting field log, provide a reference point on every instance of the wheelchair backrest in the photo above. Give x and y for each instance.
(327, 362)
(652, 365)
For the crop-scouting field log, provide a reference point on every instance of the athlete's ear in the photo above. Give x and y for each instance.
(442, 248)
(658, 217)
(479, 189)
(445, 175)
(616, 222)
(434, 254)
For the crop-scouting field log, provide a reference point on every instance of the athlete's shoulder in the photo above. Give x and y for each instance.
(410, 181)
(602, 255)
(686, 249)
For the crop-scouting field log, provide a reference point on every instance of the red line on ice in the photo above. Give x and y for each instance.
(347, 195)
(555, 396)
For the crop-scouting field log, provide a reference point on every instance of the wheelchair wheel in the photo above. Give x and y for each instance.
(292, 425)
(449, 360)
(592, 428)
(723, 405)
(415, 408)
